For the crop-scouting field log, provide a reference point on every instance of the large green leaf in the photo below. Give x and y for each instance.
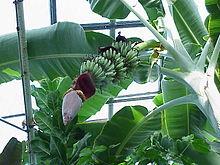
(12, 153)
(180, 120)
(54, 51)
(114, 9)
(210, 158)
(188, 22)
(109, 8)
(127, 129)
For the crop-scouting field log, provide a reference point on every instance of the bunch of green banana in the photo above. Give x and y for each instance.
(112, 65)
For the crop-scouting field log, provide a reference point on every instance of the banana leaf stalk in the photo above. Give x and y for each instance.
(192, 75)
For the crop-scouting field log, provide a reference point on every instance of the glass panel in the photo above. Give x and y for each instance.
(37, 14)
(11, 94)
(101, 115)
(7, 131)
(146, 103)
(135, 88)
(7, 17)
(77, 11)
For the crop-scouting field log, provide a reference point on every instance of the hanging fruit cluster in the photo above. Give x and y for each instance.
(113, 64)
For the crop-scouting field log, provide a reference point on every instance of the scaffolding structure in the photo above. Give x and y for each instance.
(112, 26)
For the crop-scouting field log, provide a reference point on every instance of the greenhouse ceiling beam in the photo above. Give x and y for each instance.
(112, 34)
(13, 125)
(138, 94)
(109, 25)
(12, 116)
(130, 99)
(53, 12)
(25, 75)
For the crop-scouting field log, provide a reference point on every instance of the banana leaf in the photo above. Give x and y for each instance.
(49, 97)
(127, 129)
(198, 157)
(213, 7)
(54, 51)
(180, 120)
(12, 153)
(188, 22)
(114, 9)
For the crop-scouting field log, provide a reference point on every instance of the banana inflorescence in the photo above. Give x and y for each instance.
(112, 65)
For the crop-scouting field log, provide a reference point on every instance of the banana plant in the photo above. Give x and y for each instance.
(198, 79)
(187, 29)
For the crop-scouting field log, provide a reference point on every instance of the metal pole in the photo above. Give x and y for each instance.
(112, 28)
(53, 12)
(25, 75)
(110, 104)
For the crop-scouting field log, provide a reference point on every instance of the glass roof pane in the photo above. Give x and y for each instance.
(7, 131)
(37, 14)
(7, 17)
(11, 97)
(77, 11)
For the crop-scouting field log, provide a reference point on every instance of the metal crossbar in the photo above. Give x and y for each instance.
(109, 25)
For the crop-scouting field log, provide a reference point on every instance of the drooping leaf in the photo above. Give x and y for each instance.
(12, 153)
(109, 8)
(114, 9)
(132, 129)
(153, 8)
(54, 51)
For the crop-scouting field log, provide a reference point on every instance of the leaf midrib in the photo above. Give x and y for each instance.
(186, 25)
(45, 57)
